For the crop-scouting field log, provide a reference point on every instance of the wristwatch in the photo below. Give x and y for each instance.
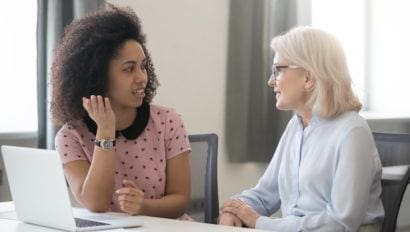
(105, 144)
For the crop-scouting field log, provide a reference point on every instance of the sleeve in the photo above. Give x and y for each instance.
(264, 197)
(176, 138)
(352, 179)
(68, 145)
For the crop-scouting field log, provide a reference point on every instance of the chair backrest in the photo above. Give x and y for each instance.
(394, 149)
(204, 183)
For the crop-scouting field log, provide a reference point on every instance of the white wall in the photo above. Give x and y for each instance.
(188, 43)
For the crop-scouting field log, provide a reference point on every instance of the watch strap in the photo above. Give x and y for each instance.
(98, 142)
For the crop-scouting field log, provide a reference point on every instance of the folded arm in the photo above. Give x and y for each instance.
(352, 179)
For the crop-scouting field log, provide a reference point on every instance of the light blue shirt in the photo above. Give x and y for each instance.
(326, 177)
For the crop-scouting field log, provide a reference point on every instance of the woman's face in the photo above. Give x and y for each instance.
(127, 77)
(289, 86)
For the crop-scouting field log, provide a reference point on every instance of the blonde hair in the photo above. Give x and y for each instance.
(321, 54)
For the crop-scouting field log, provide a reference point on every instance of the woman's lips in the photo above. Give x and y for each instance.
(139, 93)
(277, 94)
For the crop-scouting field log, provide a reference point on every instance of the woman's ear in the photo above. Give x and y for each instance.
(310, 81)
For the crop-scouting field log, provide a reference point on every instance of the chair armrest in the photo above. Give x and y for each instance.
(394, 172)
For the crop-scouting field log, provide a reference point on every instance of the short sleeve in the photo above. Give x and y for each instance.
(68, 144)
(176, 138)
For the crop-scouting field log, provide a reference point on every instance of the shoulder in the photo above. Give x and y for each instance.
(73, 142)
(355, 140)
(168, 122)
(72, 129)
(350, 127)
(163, 112)
(349, 121)
(161, 109)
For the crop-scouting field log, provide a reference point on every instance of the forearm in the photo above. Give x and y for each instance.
(264, 199)
(170, 206)
(98, 187)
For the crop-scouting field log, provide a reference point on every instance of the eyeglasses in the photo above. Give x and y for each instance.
(276, 69)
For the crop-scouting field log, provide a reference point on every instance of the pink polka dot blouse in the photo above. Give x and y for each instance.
(142, 160)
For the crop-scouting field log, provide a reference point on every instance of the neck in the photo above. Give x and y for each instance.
(306, 117)
(124, 118)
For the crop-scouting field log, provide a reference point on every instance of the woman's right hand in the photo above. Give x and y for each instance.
(130, 198)
(229, 219)
(99, 109)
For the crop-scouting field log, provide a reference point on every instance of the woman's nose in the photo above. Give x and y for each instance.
(271, 81)
(141, 76)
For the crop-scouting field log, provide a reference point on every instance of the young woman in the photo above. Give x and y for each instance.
(120, 152)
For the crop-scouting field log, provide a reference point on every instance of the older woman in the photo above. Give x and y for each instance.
(325, 174)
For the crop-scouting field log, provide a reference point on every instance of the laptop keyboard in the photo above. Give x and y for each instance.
(87, 223)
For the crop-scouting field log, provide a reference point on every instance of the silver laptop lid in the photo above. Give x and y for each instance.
(38, 187)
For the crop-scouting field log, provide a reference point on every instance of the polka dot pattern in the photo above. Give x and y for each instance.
(142, 160)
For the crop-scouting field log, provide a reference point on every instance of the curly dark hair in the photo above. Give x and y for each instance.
(81, 59)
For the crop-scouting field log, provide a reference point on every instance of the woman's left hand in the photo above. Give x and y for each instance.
(247, 215)
(130, 198)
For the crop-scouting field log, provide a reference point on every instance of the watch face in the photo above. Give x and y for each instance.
(106, 144)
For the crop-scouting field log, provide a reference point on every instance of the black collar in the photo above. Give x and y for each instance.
(133, 131)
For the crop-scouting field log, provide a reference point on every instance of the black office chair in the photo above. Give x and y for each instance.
(394, 149)
(204, 190)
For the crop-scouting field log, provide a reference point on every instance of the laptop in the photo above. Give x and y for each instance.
(40, 194)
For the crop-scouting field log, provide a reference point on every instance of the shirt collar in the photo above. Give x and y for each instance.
(131, 132)
(314, 121)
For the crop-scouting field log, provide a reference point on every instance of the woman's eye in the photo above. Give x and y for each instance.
(129, 69)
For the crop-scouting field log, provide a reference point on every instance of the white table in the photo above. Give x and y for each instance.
(151, 224)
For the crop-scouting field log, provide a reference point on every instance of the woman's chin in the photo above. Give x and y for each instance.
(281, 106)
(138, 103)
